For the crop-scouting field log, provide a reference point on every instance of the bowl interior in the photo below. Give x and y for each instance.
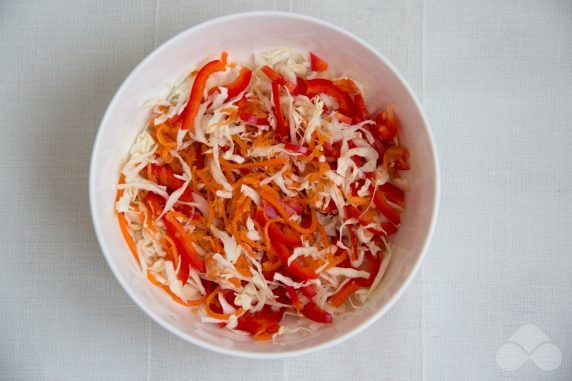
(240, 35)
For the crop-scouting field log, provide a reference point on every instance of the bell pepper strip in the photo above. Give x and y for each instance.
(392, 193)
(273, 75)
(325, 86)
(224, 57)
(315, 313)
(155, 203)
(191, 110)
(295, 268)
(282, 130)
(373, 265)
(303, 150)
(211, 311)
(276, 77)
(300, 87)
(317, 64)
(361, 108)
(344, 293)
(293, 206)
(251, 113)
(309, 291)
(388, 228)
(383, 129)
(164, 175)
(294, 298)
(287, 238)
(262, 324)
(384, 208)
(183, 242)
(240, 83)
(347, 85)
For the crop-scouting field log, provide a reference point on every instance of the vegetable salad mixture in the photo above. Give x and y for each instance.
(260, 192)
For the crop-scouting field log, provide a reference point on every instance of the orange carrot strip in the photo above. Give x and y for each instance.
(344, 293)
(216, 315)
(127, 237)
(188, 303)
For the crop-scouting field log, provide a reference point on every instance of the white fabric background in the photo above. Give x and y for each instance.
(496, 82)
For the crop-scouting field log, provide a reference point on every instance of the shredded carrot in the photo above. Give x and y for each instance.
(120, 191)
(216, 315)
(127, 237)
(161, 138)
(344, 293)
(334, 260)
(171, 249)
(242, 267)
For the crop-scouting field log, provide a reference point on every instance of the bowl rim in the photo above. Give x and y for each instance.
(290, 353)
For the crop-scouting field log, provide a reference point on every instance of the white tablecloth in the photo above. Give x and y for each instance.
(496, 82)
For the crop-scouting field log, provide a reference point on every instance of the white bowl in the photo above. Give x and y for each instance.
(241, 34)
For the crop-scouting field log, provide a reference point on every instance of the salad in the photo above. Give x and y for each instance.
(262, 196)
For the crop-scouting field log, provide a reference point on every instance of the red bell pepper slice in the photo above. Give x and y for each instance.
(275, 233)
(372, 266)
(183, 243)
(309, 291)
(292, 206)
(281, 129)
(383, 129)
(332, 151)
(325, 86)
(387, 210)
(289, 239)
(196, 95)
(240, 83)
(296, 268)
(361, 107)
(389, 228)
(155, 203)
(252, 119)
(294, 298)
(344, 293)
(269, 211)
(304, 150)
(272, 74)
(264, 322)
(315, 313)
(392, 193)
(251, 113)
(199, 161)
(300, 87)
(164, 175)
(317, 64)
(347, 85)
